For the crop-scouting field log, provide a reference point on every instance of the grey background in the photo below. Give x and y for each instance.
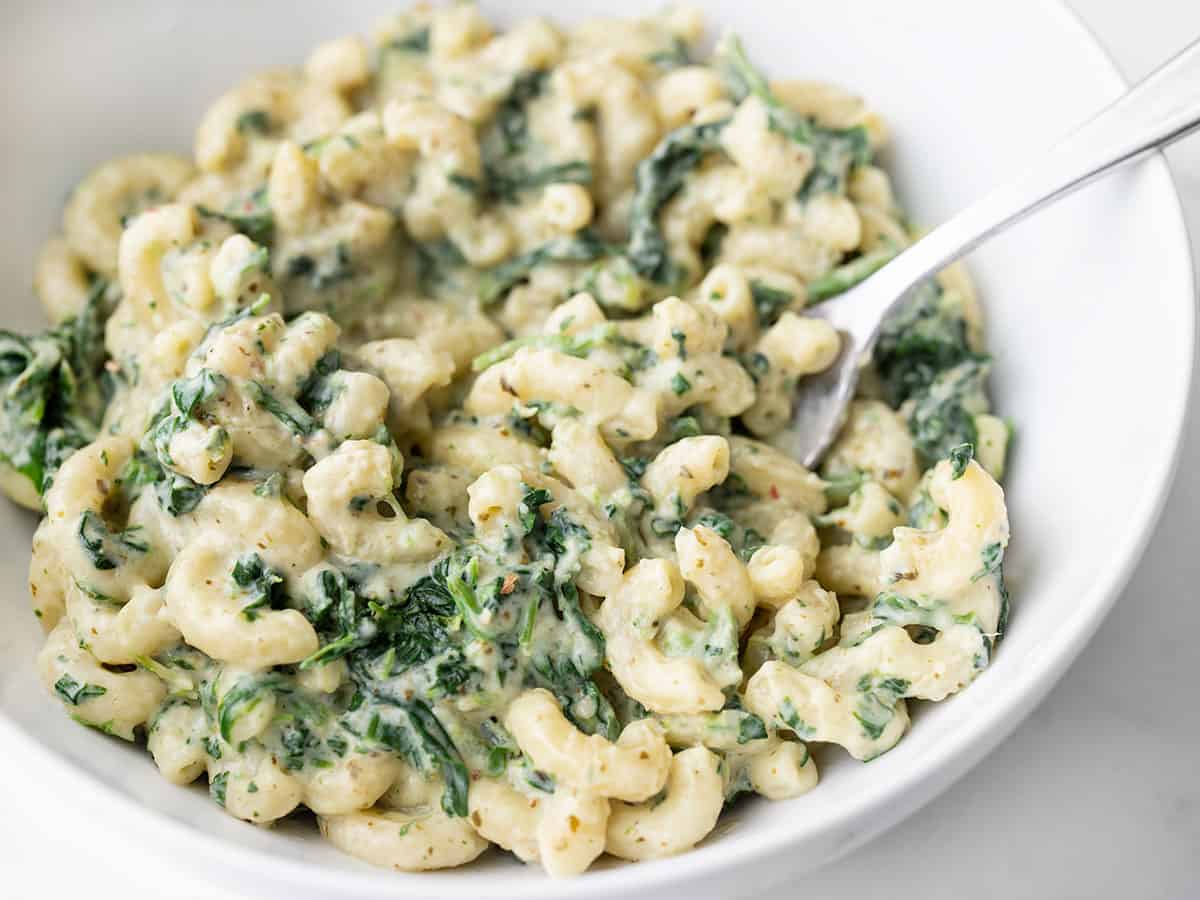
(1096, 795)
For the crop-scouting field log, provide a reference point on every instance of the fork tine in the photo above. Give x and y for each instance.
(819, 406)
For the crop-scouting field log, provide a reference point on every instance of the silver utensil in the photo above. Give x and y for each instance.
(1159, 110)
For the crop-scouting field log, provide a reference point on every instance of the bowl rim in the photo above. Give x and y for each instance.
(966, 747)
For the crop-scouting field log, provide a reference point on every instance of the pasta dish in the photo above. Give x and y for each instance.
(409, 452)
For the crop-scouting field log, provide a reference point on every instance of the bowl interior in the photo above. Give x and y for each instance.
(1090, 318)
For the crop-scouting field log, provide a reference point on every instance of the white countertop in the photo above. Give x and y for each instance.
(1095, 795)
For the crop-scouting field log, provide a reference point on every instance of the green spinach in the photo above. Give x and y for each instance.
(497, 281)
(657, 179)
(835, 151)
(943, 417)
(75, 693)
(53, 390)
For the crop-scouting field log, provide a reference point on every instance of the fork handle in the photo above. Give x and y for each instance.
(1162, 108)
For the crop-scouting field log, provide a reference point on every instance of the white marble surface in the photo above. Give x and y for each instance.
(1094, 796)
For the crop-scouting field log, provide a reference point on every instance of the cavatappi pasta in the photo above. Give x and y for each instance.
(406, 453)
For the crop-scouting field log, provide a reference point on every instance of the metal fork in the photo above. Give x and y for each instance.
(1159, 110)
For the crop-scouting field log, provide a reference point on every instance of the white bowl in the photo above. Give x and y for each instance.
(1091, 319)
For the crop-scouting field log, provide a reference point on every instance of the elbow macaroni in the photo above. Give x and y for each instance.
(409, 454)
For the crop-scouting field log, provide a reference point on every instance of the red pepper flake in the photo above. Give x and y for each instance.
(774, 492)
(510, 584)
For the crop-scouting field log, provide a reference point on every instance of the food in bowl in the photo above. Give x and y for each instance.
(407, 455)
